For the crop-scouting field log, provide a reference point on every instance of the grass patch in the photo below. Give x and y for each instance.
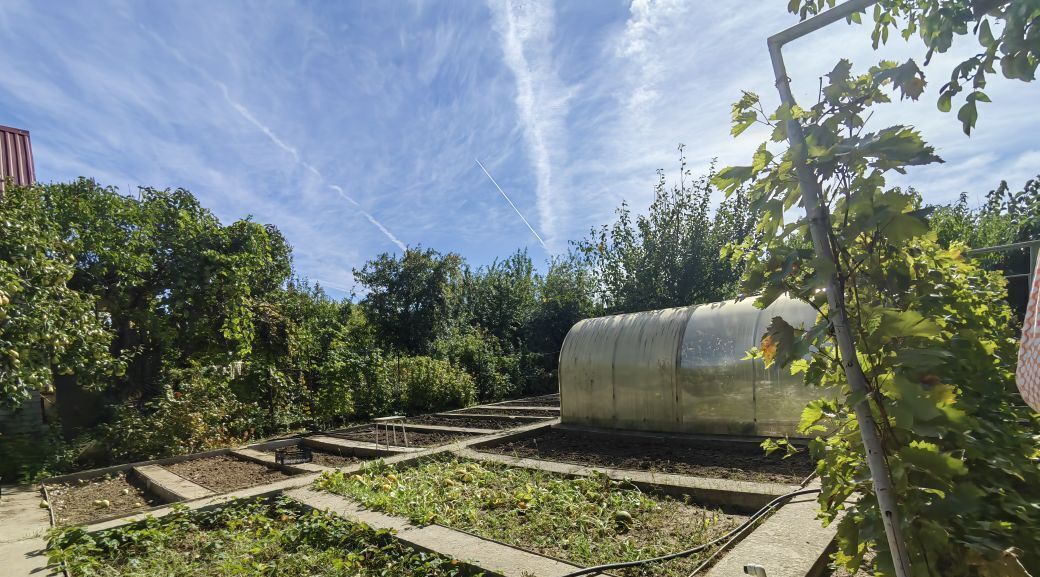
(587, 521)
(244, 539)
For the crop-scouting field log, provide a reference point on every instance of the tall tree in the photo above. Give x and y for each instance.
(670, 256)
(409, 299)
(46, 326)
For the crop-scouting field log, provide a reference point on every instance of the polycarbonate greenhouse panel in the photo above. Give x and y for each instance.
(587, 356)
(717, 387)
(682, 370)
(644, 369)
(780, 396)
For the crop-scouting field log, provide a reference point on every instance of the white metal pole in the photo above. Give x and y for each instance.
(819, 227)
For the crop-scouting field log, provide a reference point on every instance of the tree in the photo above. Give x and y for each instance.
(500, 297)
(1007, 31)
(669, 257)
(932, 371)
(410, 299)
(46, 327)
(565, 296)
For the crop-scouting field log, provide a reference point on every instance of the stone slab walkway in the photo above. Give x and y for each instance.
(23, 524)
(790, 543)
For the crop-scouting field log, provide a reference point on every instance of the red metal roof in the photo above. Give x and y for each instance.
(16, 160)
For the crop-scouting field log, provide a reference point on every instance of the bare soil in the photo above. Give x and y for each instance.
(721, 461)
(78, 503)
(502, 422)
(543, 401)
(546, 412)
(415, 438)
(330, 458)
(223, 473)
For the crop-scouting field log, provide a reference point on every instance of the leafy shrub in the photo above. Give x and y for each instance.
(197, 413)
(495, 373)
(428, 385)
(243, 540)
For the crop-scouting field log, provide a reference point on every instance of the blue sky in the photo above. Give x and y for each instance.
(355, 126)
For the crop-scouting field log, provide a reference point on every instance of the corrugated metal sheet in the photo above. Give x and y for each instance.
(682, 370)
(16, 159)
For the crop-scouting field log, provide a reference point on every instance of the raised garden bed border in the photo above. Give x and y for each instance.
(300, 484)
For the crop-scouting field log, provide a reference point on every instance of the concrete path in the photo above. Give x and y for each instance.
(23, 524)
(790, 543)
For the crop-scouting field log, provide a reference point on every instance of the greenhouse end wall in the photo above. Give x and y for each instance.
(683, 370)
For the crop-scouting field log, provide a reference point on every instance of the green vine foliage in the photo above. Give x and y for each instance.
(1008, 33)
(46, 327)
(933, 335)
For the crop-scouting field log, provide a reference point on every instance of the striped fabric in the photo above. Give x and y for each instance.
(1028, 375)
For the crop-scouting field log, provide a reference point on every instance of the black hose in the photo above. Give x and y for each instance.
(758, 514)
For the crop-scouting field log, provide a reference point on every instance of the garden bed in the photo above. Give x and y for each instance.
(332, 458)
(223, 473)
(497, 422)
(723, 461)
(415, 438)
(245, 539)
(546, 401)
(547, 412)
(90, 500)
(585, 521)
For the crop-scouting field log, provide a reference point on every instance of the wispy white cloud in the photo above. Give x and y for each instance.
(526, 29)
(350, 125)
(248, 115)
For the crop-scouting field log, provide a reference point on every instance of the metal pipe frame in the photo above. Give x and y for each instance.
(819, 227)
(1032, 245)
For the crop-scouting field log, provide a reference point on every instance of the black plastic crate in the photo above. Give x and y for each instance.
(292, 455)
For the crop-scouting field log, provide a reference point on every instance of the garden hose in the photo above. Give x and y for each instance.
(734, 533)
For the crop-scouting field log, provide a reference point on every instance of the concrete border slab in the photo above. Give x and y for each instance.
(358, 448)
(517, 408)
(447, 429)
(169, 486)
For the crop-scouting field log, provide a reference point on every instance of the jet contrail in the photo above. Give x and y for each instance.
(370, 218)
(505, 196)
(248, 115)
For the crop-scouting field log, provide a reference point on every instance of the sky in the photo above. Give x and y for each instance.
(364, 127)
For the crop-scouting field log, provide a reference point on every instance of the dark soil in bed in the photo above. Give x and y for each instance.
(546, 401)
(415, 438)
(78, 503)
(223, 473)
(330, 458)
(546, 412)
(722, 461)
(470, 422)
